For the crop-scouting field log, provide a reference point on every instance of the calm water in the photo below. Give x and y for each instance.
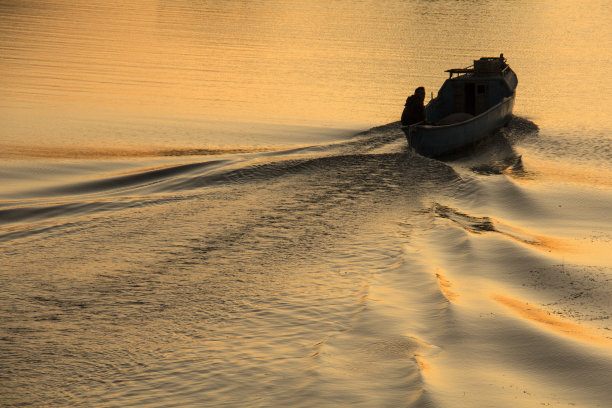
(211, 204)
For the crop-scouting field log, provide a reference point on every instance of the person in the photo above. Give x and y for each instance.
(414, 110)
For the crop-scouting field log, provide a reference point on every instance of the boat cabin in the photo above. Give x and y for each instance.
(472, 91)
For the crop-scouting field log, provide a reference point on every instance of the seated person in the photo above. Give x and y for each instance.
(414, 110)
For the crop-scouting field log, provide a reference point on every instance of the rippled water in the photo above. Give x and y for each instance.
(193, 211)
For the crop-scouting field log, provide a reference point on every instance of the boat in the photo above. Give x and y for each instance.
(472, 103)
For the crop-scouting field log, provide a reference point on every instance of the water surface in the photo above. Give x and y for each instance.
(212, 204)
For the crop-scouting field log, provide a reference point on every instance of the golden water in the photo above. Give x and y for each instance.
(188, 217)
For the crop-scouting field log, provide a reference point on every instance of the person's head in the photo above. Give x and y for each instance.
(420, 92)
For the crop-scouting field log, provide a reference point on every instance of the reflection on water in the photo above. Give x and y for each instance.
(157, 72)
(188, 216)
(93, 153)
(542, 317)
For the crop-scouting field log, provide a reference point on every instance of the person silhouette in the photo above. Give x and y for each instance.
(414, 111)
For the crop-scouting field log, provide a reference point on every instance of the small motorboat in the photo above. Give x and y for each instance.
(471, 104)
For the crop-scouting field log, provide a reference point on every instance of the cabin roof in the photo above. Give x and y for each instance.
(485, 66)
(460, 70)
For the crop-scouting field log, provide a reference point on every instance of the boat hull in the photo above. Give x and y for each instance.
(483, 93)
(434, 141)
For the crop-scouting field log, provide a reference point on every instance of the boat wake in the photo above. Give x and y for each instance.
(379, 155)
(328, 272)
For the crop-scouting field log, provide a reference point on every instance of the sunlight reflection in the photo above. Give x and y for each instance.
(556, 324)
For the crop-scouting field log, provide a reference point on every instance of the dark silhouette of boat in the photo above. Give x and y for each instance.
(471, 104)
